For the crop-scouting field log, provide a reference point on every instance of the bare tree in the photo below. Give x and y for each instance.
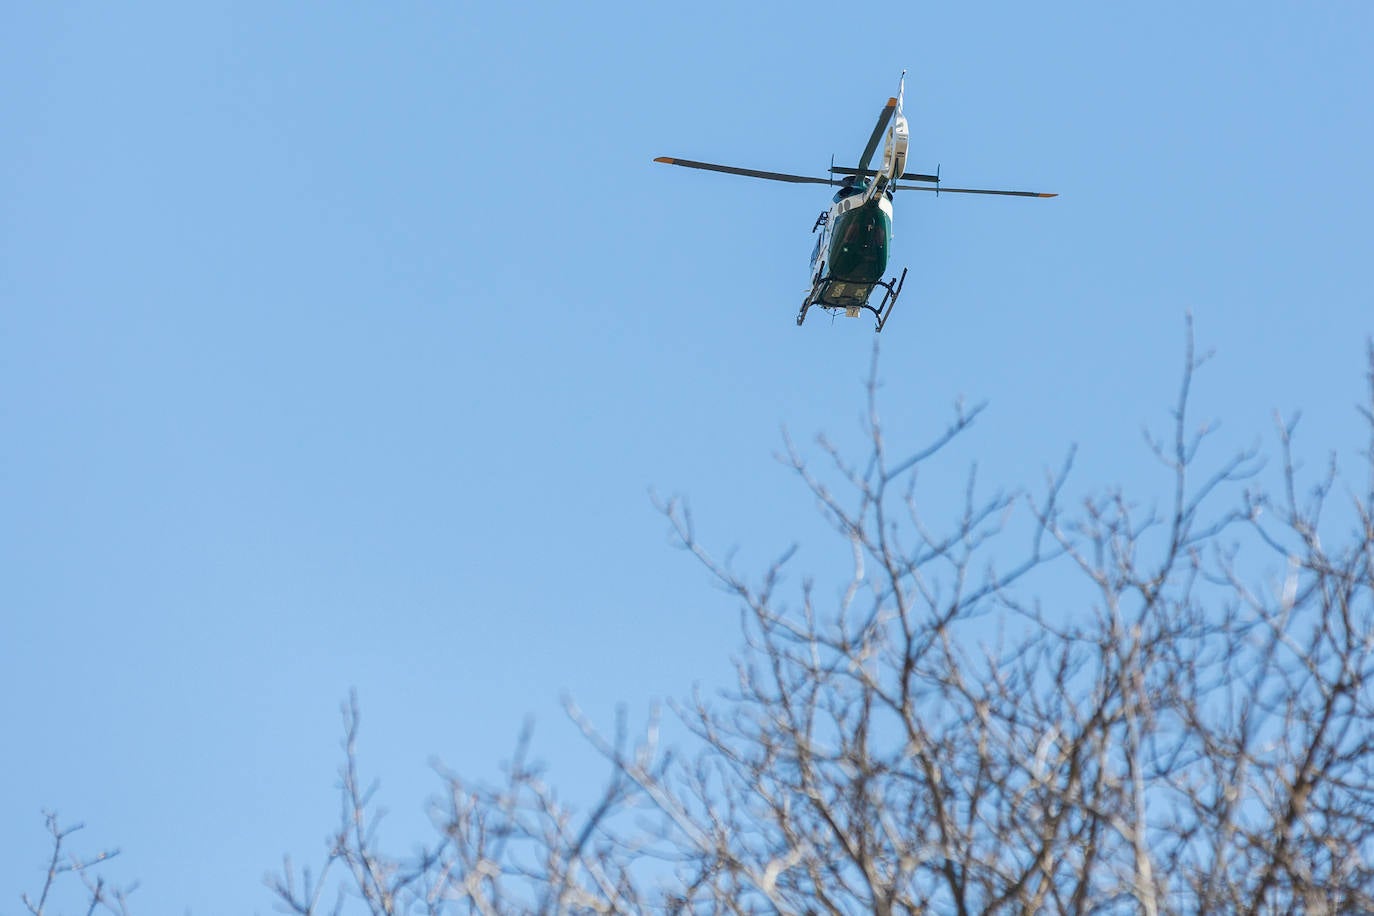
(1181, 724)
(96, 895)
(1107, 706)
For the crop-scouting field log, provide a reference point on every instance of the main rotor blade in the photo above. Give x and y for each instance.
(883, 117)
(907, 176)
(751, 173)
(980, 191)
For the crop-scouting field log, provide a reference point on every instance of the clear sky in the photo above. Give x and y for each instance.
(341, 345)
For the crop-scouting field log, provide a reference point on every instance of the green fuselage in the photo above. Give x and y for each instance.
(859, 242)
(850, 256)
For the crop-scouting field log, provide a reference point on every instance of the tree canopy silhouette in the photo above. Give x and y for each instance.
(1181, 724)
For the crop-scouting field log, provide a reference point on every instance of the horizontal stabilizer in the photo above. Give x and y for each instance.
(906, 176)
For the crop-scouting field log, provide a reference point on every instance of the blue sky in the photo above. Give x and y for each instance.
(341, 345)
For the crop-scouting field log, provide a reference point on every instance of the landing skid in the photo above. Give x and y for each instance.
(851, 305)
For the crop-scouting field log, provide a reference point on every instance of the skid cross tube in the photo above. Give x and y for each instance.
(891, 290)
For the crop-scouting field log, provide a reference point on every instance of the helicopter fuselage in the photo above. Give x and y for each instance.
(855, 239)
(850, 254)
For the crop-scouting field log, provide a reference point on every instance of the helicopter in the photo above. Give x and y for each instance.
(855, 234)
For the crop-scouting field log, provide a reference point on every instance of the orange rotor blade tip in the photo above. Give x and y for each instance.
(667, 159)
